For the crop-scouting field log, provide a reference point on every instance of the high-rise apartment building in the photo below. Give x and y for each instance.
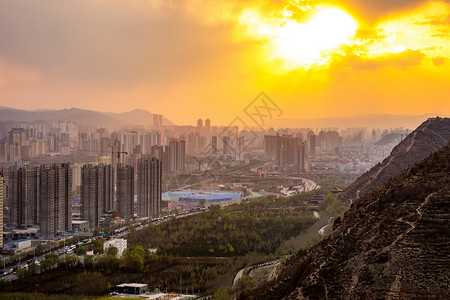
(92, 193)
(199, 124)
(23, 196)
(289, 151)
(108, 188)
(2, 184)
(157, 120)
(176, 156)
(270, 144)
(149, 178)
(226, 147)
(214, 144)
(301, 158)
(312, 143)
(55, 191)
(240, 148)
(125, 191)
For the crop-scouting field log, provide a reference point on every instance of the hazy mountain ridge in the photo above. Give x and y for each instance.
(81, 116)
(393, 243)
(427, 138)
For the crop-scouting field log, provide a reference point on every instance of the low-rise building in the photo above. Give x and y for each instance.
(18, 245)
(132, 288)
(80, 226)
(120, 244)
(20, 234)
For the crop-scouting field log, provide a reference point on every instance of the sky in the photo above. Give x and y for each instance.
(190, 59)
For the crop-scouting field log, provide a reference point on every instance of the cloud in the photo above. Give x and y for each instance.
(111, 42)
(401, 60)
(374, 9)
(437, 61)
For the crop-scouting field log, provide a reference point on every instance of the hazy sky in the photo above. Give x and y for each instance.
(190, 59)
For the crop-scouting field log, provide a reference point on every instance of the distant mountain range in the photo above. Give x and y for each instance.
(430, 136)
(368, 121)
(81, 116)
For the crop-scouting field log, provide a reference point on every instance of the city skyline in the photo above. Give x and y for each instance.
(373, 58)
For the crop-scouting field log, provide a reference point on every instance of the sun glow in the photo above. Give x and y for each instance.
(304, 44)
(307, 43)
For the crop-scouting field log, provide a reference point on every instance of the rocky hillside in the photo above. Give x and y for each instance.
(393, 243)
(427, 138)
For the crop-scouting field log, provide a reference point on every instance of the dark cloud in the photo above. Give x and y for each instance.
(374, 9)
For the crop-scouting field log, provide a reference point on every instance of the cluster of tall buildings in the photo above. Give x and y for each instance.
(29, 140)
(108, 188)
(172, 156)
(289, 152)
(40, 196)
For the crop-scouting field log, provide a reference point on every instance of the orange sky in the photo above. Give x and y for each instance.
(190, 59)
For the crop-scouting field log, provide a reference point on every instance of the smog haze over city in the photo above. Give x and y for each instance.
(194, 149)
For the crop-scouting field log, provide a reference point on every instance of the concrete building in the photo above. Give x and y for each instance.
(199, 124)
(1, 209)
(132, 288)
(80, 226)
(18, 245)
(240, 148)
(120, 244)
(226, 147)
(55, 190)
(270, 144)
(287, 148)
(125, 191)
(108, 188)
(23, 196)
(157, 120)
(301, 158)
(92, 186)
(20, 234)
(149, 187)
(214, 144)
(176, 156)
(312, 143)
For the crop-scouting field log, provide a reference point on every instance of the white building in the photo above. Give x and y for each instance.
(18, 245)
(120, 244)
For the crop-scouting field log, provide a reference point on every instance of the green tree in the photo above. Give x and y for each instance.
(136, 262)
(81, 250)
(34, 269)
(98, 245)
(89, 261)
(91, 283)
(112, 251)
(23, 273)
(40, 249)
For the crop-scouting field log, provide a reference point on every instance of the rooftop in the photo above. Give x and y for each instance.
(78, 222)
(132, 285)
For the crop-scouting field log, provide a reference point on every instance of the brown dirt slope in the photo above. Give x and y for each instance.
(427, 138)
(393, 243)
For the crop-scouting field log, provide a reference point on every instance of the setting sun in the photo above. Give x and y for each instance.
(304, 38)
(306, 44)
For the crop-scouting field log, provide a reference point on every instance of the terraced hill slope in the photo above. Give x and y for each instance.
(393, 243)
(427, 138)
